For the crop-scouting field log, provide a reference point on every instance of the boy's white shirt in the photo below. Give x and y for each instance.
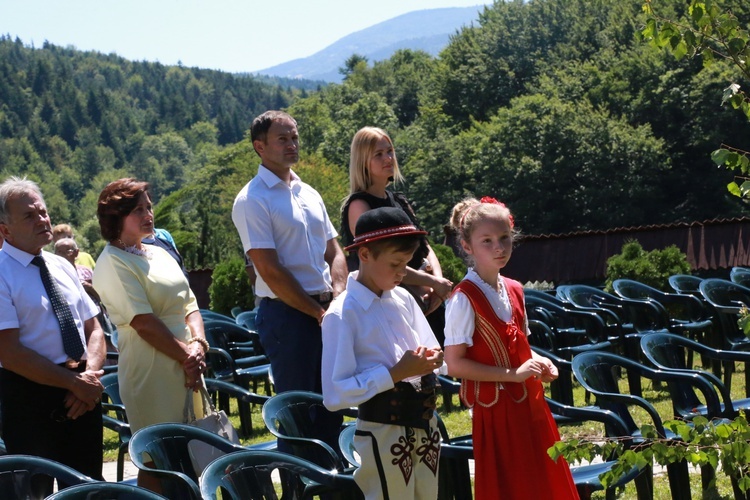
(363, 337)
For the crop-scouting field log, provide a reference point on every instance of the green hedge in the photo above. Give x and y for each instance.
(230, 287)
(651, 268)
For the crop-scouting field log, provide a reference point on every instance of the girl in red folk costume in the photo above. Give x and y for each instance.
(486, 346)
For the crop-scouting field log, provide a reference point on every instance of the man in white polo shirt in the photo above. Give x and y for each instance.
(286, 233)
(51, 345)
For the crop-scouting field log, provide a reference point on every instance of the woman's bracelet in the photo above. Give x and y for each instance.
(203, 342)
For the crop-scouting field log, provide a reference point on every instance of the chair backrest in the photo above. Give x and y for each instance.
(663, 352)
(727, 298)
(17, 472)
(541, 335)
(167, 446)
(596, 373)
(631, 289)
(740, 275)
(246, 319)
(111, 388)
(636, 315)
(679, 307)
(289, 417)
(685, 283)
(249, 474)
(667, 350)
(102, 490)
(207, 314)
(221, 333)
(346, 443)
(565, 318)
(549, 297)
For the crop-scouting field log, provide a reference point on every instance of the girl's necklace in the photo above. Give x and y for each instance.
(135, 250)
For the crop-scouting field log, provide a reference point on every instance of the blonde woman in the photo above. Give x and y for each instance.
(372, 168)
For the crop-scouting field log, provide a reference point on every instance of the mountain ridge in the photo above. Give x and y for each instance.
(427, 29)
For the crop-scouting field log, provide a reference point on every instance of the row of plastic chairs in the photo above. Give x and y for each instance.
(596, 372)
(247, 474)
(18, 473)
(704, 310)
(115, 417)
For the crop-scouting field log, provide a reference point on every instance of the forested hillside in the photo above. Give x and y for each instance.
(76, 120)
(554, 106)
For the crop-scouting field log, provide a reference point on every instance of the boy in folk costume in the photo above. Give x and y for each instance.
(379, 354)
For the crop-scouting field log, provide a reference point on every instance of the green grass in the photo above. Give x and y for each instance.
(458, 423)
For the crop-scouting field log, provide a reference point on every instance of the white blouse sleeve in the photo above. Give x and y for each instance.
(459, 320)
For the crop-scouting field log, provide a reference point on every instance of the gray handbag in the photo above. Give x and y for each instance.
(213, 421)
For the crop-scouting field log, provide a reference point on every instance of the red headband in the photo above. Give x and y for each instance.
(492, 201)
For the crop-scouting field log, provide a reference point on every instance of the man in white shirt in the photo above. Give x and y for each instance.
(50, 397)
(286, 233)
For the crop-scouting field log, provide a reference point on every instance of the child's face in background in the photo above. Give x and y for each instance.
(491, 244)
(383, 272)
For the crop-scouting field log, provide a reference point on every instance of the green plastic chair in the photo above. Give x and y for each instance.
(289, 417)
(740, 275)
(167, 445)
(686, 284)
(595, 372)
(115, 418)
(223, 390)
(105, 491)
(248, 474)
(25, 477)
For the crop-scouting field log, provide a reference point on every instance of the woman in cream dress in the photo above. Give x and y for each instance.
(161, 340)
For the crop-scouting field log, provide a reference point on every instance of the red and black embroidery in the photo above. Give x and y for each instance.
(402, 453)
(429, 452)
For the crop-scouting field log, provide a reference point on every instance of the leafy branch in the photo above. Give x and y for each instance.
(699, 442)
(711, 33)
(744, 320)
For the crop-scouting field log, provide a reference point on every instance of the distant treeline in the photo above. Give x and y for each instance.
(75, 120)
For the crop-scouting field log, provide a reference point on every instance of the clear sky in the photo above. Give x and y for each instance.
(232, 35)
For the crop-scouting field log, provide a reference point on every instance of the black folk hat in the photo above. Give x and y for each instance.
(382, 223)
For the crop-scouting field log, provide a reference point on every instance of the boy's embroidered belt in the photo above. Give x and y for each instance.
(403, 405)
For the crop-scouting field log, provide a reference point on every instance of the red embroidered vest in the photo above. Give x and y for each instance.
(495, 343)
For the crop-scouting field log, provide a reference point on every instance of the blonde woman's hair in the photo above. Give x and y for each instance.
(470, 211)
(363, 146)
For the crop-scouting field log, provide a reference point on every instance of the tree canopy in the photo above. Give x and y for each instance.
(557, 107)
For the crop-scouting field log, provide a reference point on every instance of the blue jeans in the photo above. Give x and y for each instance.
(294, 345)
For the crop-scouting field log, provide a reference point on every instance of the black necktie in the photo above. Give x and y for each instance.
(70, 336)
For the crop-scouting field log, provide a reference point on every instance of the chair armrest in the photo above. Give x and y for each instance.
(316, 445)
(630, 400)
(118, 426)
(696, 380)
(250, 361)
(574, 415)
(235, 391)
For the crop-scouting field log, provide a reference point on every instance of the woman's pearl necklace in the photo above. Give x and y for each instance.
(141, 252)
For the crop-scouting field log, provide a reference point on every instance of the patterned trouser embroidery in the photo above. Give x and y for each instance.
(402, 453)
(430, 450)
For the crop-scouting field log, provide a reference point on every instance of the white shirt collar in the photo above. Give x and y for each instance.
(363, 295)
(271, 179)
(23, 258)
